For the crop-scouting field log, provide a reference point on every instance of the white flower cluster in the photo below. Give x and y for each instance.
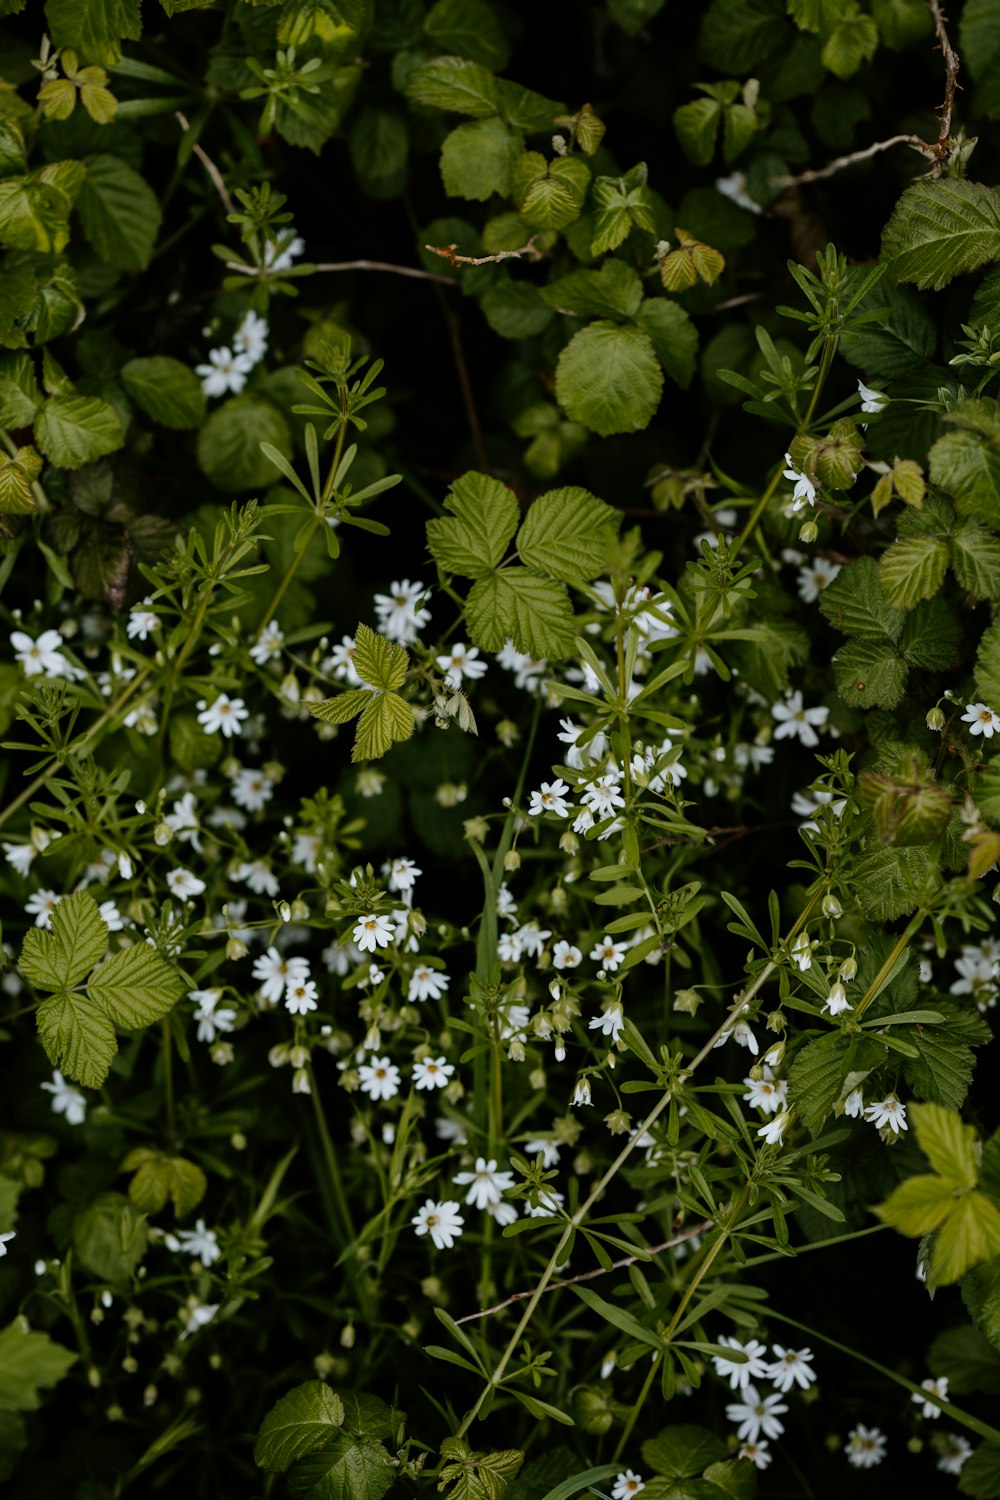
(228, 367)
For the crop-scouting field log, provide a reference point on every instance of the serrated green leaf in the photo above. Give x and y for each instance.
(939, 228)
(517, 604)
(682, 1451)
(343, 708)
(987, 670)
(853, 41)
(826, 1071)
(515, 309)
(299, 1423)
(697, 127)
(612, 291)
(468, 28)
(35, 209)
(119, 213)
(77, 939)
(387, 719)
(77, 1036)
(965, 1356)
(912, 569)
(477, 159)
(918, 1205)
(346, 1469)
(736, 35)
(75, 430)
(29, 1363)
(674, 337)
(457, 84)
(110, 1238)
(980, 1476)
(943, 1071)
(166, 390)
(135, 987)
(553, 197)
(95, 30)
(968, 468)
(609, 379)
(16, 474)
(931, 636)
(948, 1144)
(970, 1234)
(855, 604)
(975, 557)
(618, 208)
(568, 534)
(20, 395)
(486, 514)
(869, 674)
(901, 22)
(378, 662)
(229, 443)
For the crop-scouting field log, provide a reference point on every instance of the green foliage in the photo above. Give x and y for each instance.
(119, 213)
(166, 390)
(329, 1445)
(229, 444)
(29, 1362)
(609, 379)
(384, 717)
(940, 228)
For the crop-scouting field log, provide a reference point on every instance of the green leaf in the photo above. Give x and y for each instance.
(931, 636)
(939, 228)
(119, 213)
(477, 159)
(78, 939)
(967, 1358)
(697, 126)
(29, 1363)
(378, 662)
(826, 1071)
(683, 1451)
(968, 469)
(620, 204)
(569, 534)
(582, 1481)
(299, 1423)
(166, 390)
(902, 22)
(515, 603)
(736, 35)
(674, 337)
(912, 569)
(608, 378)
(550, 195)
(379, 144)
(855, 604)
(515, 309)
(457, 84)
(486, 514)
(980, 1476)
(35, 210)
(869, 674)
(75, 430)
(20, 396)
(135, 986)
(943, 1071)
(110, 1239)
(77, 1036)
(988, 664)
(346, 1469)
(853, 41)
(618, 1318)
(612, 291)
(949, 1146)
(343, 708)
(229, 443)
(975, 557)
(970, 1234)
(979, 39)
(95, 30)
(820, 16)
(468, 28)
(159, 1177)
(387, 719)
(17, 473)
(918, 1205)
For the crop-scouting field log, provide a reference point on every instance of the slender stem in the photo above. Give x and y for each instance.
(637, 1405)
(168, 1081)
(706, 1265)
(330, 1158)
(902, 943)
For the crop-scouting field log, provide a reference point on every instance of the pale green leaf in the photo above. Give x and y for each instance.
(78, 938)
(967, 467)
(346, 1469)
(35, 209)
(344, 707)
(918, 1205)
(77, 1036)
(554, 197)
(613, 290)
(229, 443)
(166, 390)
(948, 1144)
(515, 309)
(75, 430)
(29, 1363)
(912, 569)
(485, 516)
(457, 84)
(16, 495)
(820, 16)
(378, 662)
(515, 603)
(110, 1238)
(387, 719)
(975, 557)
(609, 379)
(674, 337)
(618, 208)
(939, 228)
(697, 126)
(569, 534)
(334, 24)
(119, 213)
(20, 396)
(853, 41)
(477, 159)
(469, 28)
(300, 1422)
(95, 30)
(902, 22)
(970, 1234)
(135, 986)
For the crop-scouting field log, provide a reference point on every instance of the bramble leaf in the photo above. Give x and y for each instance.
(609, 378)
(568, 534)
(378, 662)
(299, 1423)
(77, 940)
(532, 611)
(939, 228)
(29, 1361)
(135, 987)
(75, 430)
(166, 390)
(486, 514)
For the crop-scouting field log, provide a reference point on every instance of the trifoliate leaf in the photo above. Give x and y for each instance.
(343, 708)
(552, 197)
(457, 84)
(29, 1362)
(300, 1422)
(119, 213)
(166, 390)
(378, 662)
(609, 378)
(77, 940)
(159, 1177)
(939, 228)
(515, 603)
(619, 205)
(912, 569)
(674, 337)
(135, 986)
(385, 721)
(78, 1037)
(948, 1144)
(568, 534)
(486, 514)
(477, 159)
(75, 430)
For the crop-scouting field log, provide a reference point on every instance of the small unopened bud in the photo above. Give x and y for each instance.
(511, 861)
(555, 989)
(284, 910)
(162, 834)
(935, 719)
(808, 531)
(124, 866)
(236, 948)
(300, 1082)
(774, 1055)
(569, 843)
(290, 690)
(848, 969)
(831, 906)
(347, 1336)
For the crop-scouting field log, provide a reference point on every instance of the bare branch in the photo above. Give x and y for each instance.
(840, 162)
(449, 253)
(209, 165)
(346, 265)
(617, 1265)
(951, 66)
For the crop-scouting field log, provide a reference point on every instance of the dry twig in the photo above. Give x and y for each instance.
(209, 165)
(345, 265)
(449, 253)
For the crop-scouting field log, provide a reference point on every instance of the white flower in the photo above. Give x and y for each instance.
(579, 755)
(550, 799)
(740, 1373)
(815, 577)
(183, 884)
(41, 905)
(224, 372)
(887, 1111)
(372, 932)
(982, 720)
(197, 1315)
(43, 656)
(442, 1221)
(300, 996)
(400, 614)
(532, 938)
(734, 187)
(627, 1483)
(10, 1235)
(854, 1104)
(548, 1150)
(581, 1094)
(225, 714)
(20, 856)
(276, 973)
(506, 905)
(250, 339)
(268, 644)
(791, 1367)
(805, 489)
(379, 1079)
(111, 916)
(836, 1001)
(603, 796)
(432, 1073)
(427, 984)
(212, 1022)
(757, 1414)
(610, 1022)
(257, 874)
(566, 956)
(759, 1454)
(292, 246)
(954, 1451)
(251, 789)
(801, 952)
(200, 1242)
(865, 1447)
(608, 953)
(486, 1185)
(796, 721)
(508, 947)
(775, 1129)
(937, 1387)
(766, 1093)
(461, 664)
(402, 873)
(871, 401)
(66, 1100)
(141, 621)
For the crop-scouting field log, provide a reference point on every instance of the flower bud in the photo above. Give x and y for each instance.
(831, 906)
(581, 1094)
(848, 969)
(284, 911)
(236, 948)
(511, 861)
(808, 532)
(569, 843)
(347, 1336)
(162, 834)
(935, 719)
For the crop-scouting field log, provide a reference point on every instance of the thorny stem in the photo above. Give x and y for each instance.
(448, 253)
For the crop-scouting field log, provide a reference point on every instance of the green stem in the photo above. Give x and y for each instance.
(637, 1405)
(346, 1226)
(902, 943)
(168, 1081)
(725, 1230)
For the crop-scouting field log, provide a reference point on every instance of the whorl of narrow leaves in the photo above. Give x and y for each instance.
(940, 228)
